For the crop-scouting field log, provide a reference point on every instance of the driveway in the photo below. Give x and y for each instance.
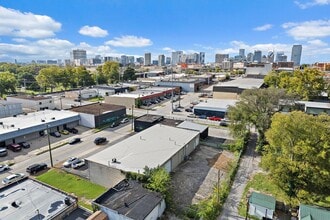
(248, 166)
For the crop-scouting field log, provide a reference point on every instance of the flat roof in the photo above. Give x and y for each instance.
(130, 199)
(243, 83)
(322, 105)
(97, 108)
(33, 199)
(5, 102)
(151, 147)
(20, 122)
(192, 126)
(150, 118)
(218, 104)
(31, 97)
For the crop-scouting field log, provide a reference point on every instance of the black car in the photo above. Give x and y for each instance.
(35, 168)
(24, 145)
(188, 110)
(100, 140)
(114, 124)
(74, 140)
(72, 130)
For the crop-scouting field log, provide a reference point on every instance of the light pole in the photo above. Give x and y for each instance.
(49, 147)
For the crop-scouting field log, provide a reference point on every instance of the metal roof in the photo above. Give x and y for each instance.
(242, 83)
(192, 126)
(216, 104)
(151, 147)
(322, 105)
(130, 199)
(32, 199)
(263, 200)
(313, 212)
(97, 108)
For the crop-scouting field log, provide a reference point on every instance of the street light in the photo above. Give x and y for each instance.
(49, 147)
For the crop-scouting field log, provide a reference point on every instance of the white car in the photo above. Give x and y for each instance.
(13, 178)
(70, 161)
(4, 167)
(78, 163)
(125, 120)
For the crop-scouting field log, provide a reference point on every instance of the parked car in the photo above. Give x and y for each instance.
(224, 122)
(188, 110)
(78, 163)
(3, 152)
(74, 140)
(14, 147)
(72, 130)
(69, 161)
(191, 116)
(65, 132)
(24, 145)
(13, 178)
(124, 120)
(4, 167)
(202, 117)
(35, 168)
(100, 140)
(214, 118)
(55, 134)
(176, 110)
(114, 124)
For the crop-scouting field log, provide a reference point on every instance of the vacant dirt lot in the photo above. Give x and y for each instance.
(194, 180)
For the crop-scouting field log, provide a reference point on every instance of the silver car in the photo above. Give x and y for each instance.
(13, 178)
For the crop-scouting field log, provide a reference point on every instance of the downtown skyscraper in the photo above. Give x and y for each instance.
(296, 54)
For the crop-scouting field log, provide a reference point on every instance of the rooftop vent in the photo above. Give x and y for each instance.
(42, 120)
(114, 160)
(53, 118)
(12, 126)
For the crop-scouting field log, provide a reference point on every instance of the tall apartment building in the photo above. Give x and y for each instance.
(176, 57)
(219, 58)
(147, 59)
(281, 57)
(202, 58)
(161, 60)
(241, 53)
(130, 59)
(124, 60)
(296, 54)
(257, 56)
(168, 60)
(140, 60)
(78, 54)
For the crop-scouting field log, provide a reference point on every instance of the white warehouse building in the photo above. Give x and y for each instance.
(159, 145)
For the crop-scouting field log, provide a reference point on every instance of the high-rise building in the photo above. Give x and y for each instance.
(202, 58)
(296, 54)
(130, 59)
(219, 58)
(161, 60)
(176, 57)
(257, 56)
(168, 60)
(192, 58)
(242, 53)
(140, 60)
(147, 59)
(249, 57)
(281, 57)
(270, 56)
(124, 60)
(78, 54)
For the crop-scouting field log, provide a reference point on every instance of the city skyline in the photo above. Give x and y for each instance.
(51, 30)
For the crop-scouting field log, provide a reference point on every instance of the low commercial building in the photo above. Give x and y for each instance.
(30, 199)
(159, 145)
(36, 103)
(129, 200)
(315, 108)
(145, 121)
(81, 94)
(8, 109)
(232, 89)
(33, 125)
(98, 114)
(186, 85)
(106, 90)
(214, 107)
(202, 129)
(262, 206)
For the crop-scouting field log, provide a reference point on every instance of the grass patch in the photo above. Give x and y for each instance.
(96, 99)
(81, 188)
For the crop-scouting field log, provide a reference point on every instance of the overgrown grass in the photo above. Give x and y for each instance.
(81, 188)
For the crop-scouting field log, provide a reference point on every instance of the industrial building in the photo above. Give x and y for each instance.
(232, 89)
(159, 145)
(36, 103)
(98, 114)
(202, 129)
(30, 199)
(214, 107)
(129, 200)
(8, 109)
(33, 125)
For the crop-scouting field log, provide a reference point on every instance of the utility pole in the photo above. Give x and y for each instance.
(49, 147)
(172, 99)
(132, 117)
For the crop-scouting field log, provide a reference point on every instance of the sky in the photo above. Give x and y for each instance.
(50, 29)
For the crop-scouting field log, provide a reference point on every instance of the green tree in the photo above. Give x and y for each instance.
(8, 83)
(111, 71)
(298, 154)
(255, 109)
(99, 76)
(49, 77)
(83, 77)
(129, 74)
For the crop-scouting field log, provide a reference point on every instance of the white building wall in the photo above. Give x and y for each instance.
(260, 212)
(157, 211)
(10, 109)
(113, 214)
(34, 104)
(87, 120)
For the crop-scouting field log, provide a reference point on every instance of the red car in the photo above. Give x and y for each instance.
(214, 118)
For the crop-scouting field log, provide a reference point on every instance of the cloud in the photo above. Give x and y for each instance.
(129, 41)
(312, 3)
(204, 47)
(17, 24)
(168, 49)
(263, 27)
(308, 29)
(93, 31)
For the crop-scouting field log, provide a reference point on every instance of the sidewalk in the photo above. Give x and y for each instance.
(248, 166)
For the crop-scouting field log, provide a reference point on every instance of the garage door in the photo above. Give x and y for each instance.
(168, 166)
